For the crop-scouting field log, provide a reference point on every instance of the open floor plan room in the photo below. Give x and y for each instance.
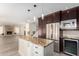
(39, 29)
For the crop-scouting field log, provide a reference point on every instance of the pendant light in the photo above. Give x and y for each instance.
(42, 14)
(34, 18)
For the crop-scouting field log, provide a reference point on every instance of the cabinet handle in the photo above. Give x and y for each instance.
(36, 47)
(36, 52)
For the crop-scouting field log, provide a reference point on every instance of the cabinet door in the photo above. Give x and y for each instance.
(56, 29)
(52, 31)
(56, 46)
(53, 18)
(40, 27)
(78, 17)
(56, 17)
(29, 48)
(48, 31)
(49, 19)
(37, 50)
(44, 28)
(24, 47)
(69, 14)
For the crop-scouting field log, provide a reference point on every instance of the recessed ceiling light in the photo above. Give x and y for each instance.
(28, 10)
(35, 5)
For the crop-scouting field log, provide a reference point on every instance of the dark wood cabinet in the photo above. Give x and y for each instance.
(72, 13)
(40, 26)
(56, 16)
(69, 14)
(44, 28)
(78, 17)
(51, 18)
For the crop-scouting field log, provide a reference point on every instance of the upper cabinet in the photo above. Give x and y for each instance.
(40, 27)
(78, 17)
(53, 18)
(56, 17)
(69, 14)
(68, 17)
(49, 18)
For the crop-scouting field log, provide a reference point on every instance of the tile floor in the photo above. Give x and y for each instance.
(9, 47)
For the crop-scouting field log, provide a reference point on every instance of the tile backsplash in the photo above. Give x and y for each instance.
(71, 34)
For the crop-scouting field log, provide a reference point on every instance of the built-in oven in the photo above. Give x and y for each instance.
(71, 46)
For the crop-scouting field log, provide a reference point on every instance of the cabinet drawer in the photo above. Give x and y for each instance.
(37, 53)
(37, 47)
(37, 50)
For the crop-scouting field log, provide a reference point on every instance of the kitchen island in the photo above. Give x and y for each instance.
(32, 46)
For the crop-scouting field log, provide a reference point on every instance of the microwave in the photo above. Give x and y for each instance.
(69, 24)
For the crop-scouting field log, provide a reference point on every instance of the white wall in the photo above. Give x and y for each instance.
(21, 29)
(33, 27)
(1, 30)
(17, 30)
(28, 28)
(24, 27)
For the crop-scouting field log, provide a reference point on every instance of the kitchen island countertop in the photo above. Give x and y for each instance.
(38, 41)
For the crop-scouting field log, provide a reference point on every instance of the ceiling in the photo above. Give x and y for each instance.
(16, 13)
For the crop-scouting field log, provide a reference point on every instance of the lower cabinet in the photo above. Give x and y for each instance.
(27, 48)
(56, 46)
(37, 50)
(24, 47)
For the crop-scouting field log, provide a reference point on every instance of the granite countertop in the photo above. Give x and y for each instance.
(38, 41)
